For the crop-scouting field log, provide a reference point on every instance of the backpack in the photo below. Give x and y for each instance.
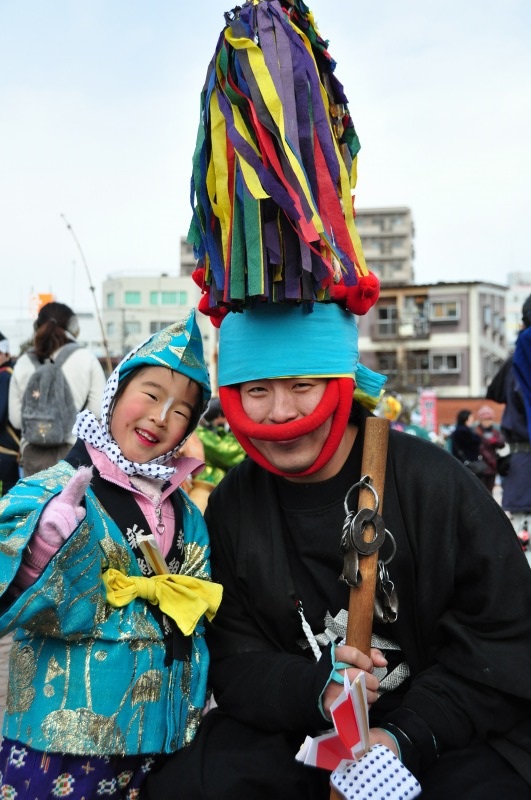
(48, 411)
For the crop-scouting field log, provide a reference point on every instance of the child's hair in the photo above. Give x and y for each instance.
(126, 380)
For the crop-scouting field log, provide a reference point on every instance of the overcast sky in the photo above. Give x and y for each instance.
(99, 103)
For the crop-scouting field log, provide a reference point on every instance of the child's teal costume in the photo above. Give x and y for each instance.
(70, 686)
(91, 673)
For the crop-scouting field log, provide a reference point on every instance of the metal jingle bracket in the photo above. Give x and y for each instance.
(363, 518)
(388, 560)
(364, 482)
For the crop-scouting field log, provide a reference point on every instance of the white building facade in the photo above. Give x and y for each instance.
(135, 306)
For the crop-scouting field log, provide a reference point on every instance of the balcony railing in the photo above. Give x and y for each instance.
(410, 328)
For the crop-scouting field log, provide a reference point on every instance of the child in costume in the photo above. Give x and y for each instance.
(105, 580)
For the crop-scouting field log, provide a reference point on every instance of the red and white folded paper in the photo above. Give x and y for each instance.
(355, 766)
(350, 739)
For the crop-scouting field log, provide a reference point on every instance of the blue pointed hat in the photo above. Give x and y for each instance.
(178, 347)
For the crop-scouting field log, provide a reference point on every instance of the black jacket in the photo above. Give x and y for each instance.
(464, 590)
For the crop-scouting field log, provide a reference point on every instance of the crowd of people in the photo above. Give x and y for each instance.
(478, 443)
(165, 648)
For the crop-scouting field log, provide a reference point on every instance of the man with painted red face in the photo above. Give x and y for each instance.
(441, 677)
(282, 273)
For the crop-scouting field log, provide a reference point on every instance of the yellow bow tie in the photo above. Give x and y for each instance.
(181, 597)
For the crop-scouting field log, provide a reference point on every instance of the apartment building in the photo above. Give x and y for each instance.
(135, 306)
(518, 292)
(449, 337)
(387, 236)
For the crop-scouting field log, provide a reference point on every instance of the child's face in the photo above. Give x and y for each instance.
(153, 414)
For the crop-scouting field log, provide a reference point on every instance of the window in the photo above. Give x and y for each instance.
(132, 326)
(132, 298)
(445, 362)
(168, 298)
(445, 310)
(387, 363)
(155, 327)
(487, 316)
(418, 362)
(110, 300)
(387, 320)
(110, 329)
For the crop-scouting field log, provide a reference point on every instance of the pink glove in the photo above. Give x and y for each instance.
(63, 514)
(58, 521)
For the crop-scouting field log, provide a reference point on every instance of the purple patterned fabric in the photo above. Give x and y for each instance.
(25, 772)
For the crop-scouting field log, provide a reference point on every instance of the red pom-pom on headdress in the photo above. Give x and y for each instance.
(198, 277)
(360, 298)
(216, 313)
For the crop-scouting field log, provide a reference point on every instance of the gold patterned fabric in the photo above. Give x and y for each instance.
(86, 676)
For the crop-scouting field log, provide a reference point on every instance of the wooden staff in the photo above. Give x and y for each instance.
(361, 599)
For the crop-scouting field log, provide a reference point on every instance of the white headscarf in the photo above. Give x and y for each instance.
(177, 347)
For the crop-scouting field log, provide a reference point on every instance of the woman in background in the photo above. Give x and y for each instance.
(56, 328)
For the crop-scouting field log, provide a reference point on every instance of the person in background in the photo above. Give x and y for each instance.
(55, 327)
(215, 444)
(390, 407)
(506, 388)
(491, 442)
(222, 449)
(9, 437)
(464, 441)
(106, 581)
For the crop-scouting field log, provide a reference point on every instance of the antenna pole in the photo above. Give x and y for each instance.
(92, 289)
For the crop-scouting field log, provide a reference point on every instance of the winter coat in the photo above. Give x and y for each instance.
(464, 591)
(86, 677)
(505, 388)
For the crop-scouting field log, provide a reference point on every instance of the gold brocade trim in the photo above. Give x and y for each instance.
(162, 340)
(53, 670)
(116, 553)
(144, 629)
(10, 547)
(147, 688)
(195, 562)
(82, 731)
(192, 724)
(22, 671)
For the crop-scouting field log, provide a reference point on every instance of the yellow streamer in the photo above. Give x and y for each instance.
(274, 106)
(218, 174)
